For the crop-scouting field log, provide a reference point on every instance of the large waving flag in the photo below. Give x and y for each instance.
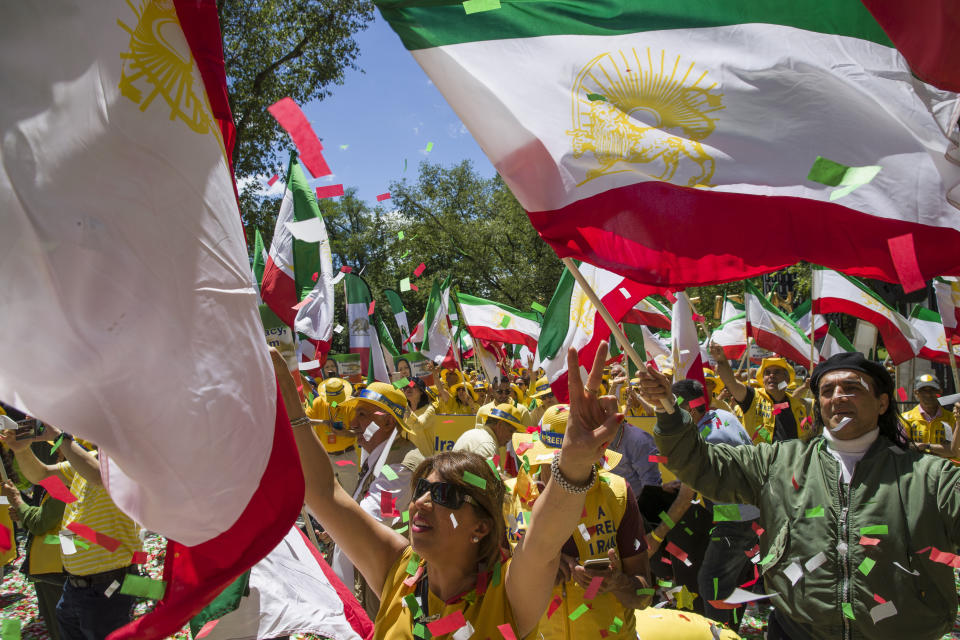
(121, 229)
(926, 323)
(948, 301)
(571, 320)
(314, 321)
(649, 313)
(772, 329)
(365, 329)
(685, 345)
(617, 126)
(732, 336)
(438, 341)
(497, 322)
(835, 292)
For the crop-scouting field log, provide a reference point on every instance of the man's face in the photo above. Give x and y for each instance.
(848, 397)
(927, 397)
(501, 392)
(772, 377)
(502, 430)
(366, 414)
(330, 369)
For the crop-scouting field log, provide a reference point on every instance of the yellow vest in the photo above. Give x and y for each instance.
(605, 505)
(333, 440)
(923, 432)
(46, 558)
(395, 621)
(758, 420)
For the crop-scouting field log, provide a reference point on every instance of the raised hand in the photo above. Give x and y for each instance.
(655, 389)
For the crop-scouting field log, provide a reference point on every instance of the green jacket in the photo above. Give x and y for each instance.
(915, 496)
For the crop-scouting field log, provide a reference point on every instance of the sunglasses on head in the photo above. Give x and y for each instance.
(446, 494)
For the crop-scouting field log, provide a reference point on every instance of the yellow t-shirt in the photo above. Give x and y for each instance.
(423, 423)
(333, 440)
(395, 621)
(759, 418)
(94, 508)
(932, 432)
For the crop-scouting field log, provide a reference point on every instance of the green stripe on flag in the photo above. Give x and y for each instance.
(752, 290)
(422, 24)
(556, 320)
(228, 600)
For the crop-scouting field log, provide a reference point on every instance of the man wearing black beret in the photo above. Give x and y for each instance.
(859, 527)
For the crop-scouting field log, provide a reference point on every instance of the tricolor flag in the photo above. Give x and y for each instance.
(649, 313)
(803, 316)
(292, 263)
(259, 260)
(835, 342)
(948, 301)
(314, 321)
(623, 128)
(685, 345)
(399, 313)
(571, 320)
(926, 323)
(654, 345)
(730, 309)
(772, 329)
(732, 336)
(438, 340)
(121, 229)
(497, 322)
(364, 334)
(835, 292)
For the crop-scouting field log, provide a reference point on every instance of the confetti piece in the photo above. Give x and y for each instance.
(739, 596)
(419, 270)
(447, 624)
(794, 572)
(344, 147)
(414, 287)
(413, 605)
(505, 321)
(383, 196)
(878, 599)
(594, 587)
(660, 459)
(453, 519)
(757, 529)
(57, 490)
(593, 97)
(56, 445)
(373, 303)
(866, 566)
(579, 611)
(371, 430)
(464, 632)
(616, 626)
(429, 147)
(387, 472)
(903, 568)
(883, 611)
(625, 292)
(329, 191)
(399, 235)
(289, 116)
(795, 485)
(842, 424)
(139, 557)
(87, 533)
(478, 6)
(847, 609)
(783, 385)
(905, 263)
(10, 629)
(678, 553)
(536, 306)
(475, 480)
(696, 402)
(6, 538)
(554, 605)
(868, 542)
(338, 328)
(815, 512)
(346, 269)
(726, 513)
(669, 296)
(584, 533)
(877, 529)
(134, 585)
(813, 563)
(206, 629)
(667, 520)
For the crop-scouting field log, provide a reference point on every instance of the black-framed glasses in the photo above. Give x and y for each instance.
(446, 494)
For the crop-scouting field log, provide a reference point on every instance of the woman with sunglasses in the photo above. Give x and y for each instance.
(421, 416)
(455, 558)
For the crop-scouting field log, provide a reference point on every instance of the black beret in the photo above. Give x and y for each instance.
(853, 362)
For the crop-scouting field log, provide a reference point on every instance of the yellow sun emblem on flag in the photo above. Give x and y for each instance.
(159, 62)
(634, 107)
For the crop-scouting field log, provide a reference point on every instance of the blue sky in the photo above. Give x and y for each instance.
(385, 114)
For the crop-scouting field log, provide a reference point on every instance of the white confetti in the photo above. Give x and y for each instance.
(947, 433)
(636, 544)
(67, 545)
(113, 587)
(453, 519)
(625, 292)
(783, 385)
(794, 572)
(464, 632)
(583, 532)
(815, 561)
(903, 568)
(306, 366)
(310, 230)
(338, 328)
(883, 611)
(372, 429)
(3, 500)
(739, 596)
(842, 424)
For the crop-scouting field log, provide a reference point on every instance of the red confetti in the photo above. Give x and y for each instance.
(383, 196)
(902, 394)
(594, 587)
(414, 287)
(660, 459)
(698, 318)
(554, 605)
(868, 542)
(6, 538)
(878, 599)
(272, 180)
(206, 629)
(757, 529)
(87, 533)
(669, 296)
(288, 114)
(329, 191)
(753, 552)
(507, 631)
(696, 402)
(447, 624)
(720, 604)
(795, 485)
(419, 269)
(522, 447)
(315, 276)
(905, 262)
(57, 490)
(603, 633)
(388, 505)
(373, 303)
(676, 552)
(346, 269)
(139, 557)
(345, 463)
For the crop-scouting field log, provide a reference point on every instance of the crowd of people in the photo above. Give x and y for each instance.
(565, 520)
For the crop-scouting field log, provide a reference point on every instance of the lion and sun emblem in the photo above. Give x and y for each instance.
(635, 107)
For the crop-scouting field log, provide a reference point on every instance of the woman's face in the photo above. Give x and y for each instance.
(462, 395)
(403, 368)
(441, 532)
(330, 369)
(413, 394)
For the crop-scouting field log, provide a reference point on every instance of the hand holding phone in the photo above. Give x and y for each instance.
(29, 428)
(597, 564)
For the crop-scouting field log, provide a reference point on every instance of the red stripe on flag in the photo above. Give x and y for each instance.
(196, 575)
(288, 114)
(636, 316)
(778, 345)
(279, 292)
(507, 336)
(897, 346)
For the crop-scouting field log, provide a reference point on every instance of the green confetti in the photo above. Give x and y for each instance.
(496, 575)
(419, 630)
(405, 516)
(404, 165)
(874, 530)
(334, 404)
(579, 611)
(388, 473)
(666, 584)
(605, 479)
(402, 529)
(726, 513)
(827, 172)
(405, 254)
(400, 235)
(493, 467)
(645, 592)
(616, 626)
(767, 559)
(51, 540)
(56, 445)
(476, 6)
(816, 512)
(429, 147)
(667, 520)
(134, 585)
(401, 383)
(834, 174)
(475, 480)
(412, 604)
(79, 542)
(536, 306)
(847, 610)
(10, 629)
(866, 566)
(412, 565)
(716, 587)
(505, 321)
(526, 463)
(688, 530)
(344, 147)
(593, 97)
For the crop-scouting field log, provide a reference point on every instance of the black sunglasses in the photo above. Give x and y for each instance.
(445, 494)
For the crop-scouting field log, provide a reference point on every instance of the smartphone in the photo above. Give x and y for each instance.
(597, 564)
(29, 428)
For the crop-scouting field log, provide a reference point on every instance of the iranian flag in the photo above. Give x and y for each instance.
(292, 263)
(571, 320)
(399, 313)
(438, 339)
(497, 322)
(732, 336)
(804, 316)
(835, 342)
(364, 335)
(948, 301)
(622, 126)
(314, 320)
(730, 309)
(685, 346)
(259, 261)
(121, 229)
(772, 329)
(926, 323)
(649, 313)
(837, 293)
